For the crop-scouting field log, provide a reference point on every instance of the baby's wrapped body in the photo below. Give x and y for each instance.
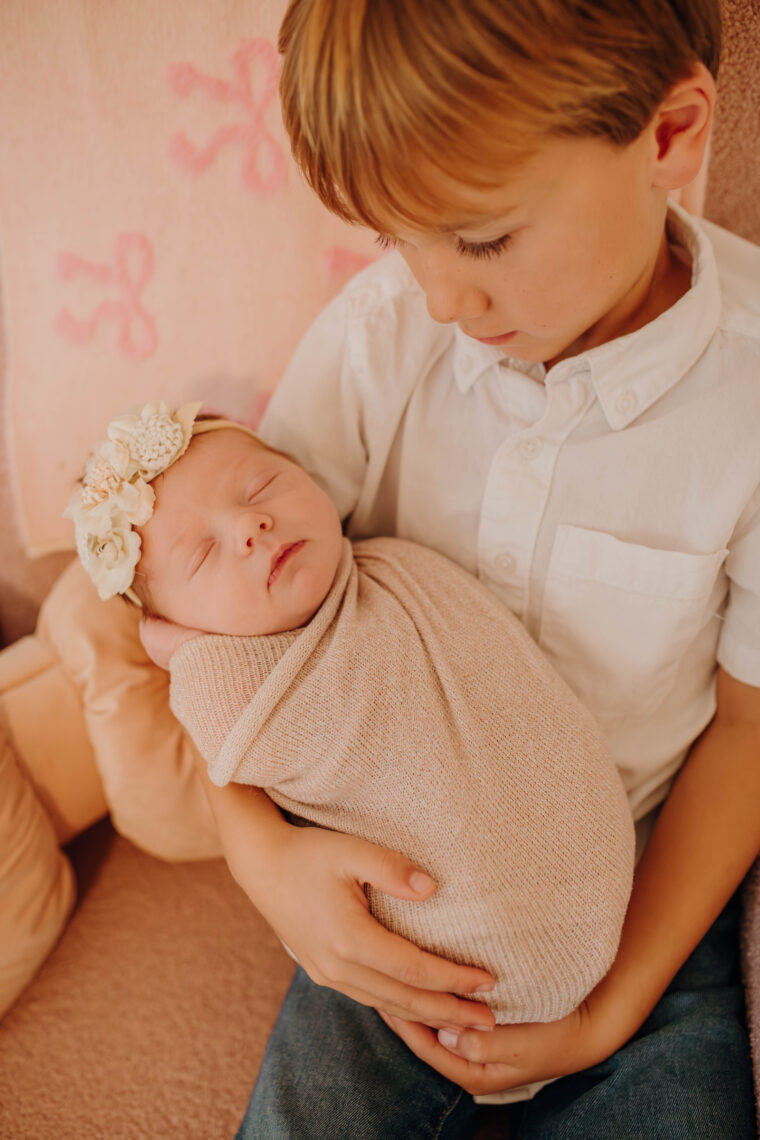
(415, 711)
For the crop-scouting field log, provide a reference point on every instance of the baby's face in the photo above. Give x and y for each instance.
(241, 541)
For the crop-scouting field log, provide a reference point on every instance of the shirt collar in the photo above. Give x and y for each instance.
(630, 373)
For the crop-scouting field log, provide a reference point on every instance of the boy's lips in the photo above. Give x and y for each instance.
(502, 339)
(280, 557)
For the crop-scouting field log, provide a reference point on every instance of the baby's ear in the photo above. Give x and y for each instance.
(680, 129)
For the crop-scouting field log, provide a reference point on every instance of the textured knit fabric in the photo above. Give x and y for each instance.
(416, 712)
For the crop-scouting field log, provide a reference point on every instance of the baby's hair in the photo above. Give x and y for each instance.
(374, 90)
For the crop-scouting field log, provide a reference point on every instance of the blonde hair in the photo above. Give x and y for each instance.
(374, 90)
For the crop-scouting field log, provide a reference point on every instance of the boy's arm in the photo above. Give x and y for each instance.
(705, 840)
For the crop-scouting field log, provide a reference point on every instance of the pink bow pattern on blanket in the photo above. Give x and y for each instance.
(163, 245)
(263, 162)
(343, 263)
(130, 271)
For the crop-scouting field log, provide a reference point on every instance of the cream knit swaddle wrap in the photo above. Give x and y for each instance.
(415, 711)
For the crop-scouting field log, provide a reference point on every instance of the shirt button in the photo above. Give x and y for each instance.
(626, 403)
(504, 564)
(465, 363)
(530, 447)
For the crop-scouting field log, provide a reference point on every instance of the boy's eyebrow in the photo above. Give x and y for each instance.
(475, 220)
(465, 223)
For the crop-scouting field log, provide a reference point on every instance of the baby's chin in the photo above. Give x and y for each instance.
(259, 629)
(251, 625)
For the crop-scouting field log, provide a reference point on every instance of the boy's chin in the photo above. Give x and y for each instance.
(546, 352)
(526, 352)
(532, 349)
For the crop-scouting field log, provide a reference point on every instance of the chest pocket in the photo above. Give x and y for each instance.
(618, 617)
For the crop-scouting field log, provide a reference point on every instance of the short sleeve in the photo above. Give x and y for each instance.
(315, 413)
(739, 645)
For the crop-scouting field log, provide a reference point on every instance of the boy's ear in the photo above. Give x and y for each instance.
(680, 129)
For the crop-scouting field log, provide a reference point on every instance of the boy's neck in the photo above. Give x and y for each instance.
(662, 283)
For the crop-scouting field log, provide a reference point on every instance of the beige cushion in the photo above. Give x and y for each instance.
(150, 1017)
(144, 758)
(37, 891)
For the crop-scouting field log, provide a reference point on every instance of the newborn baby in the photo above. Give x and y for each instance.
(373, 688)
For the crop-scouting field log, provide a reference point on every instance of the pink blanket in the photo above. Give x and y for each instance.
(155, 235)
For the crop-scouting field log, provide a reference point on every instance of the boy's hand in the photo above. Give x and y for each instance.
(510, 1055)
(314, 899)
(161, 639)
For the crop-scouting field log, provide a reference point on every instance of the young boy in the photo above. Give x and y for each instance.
(556, 378)
(375, 689)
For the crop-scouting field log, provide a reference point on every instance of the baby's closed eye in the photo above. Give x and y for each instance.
(258, 487)
(200, 556)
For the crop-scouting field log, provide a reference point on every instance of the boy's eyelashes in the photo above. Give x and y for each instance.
(482, 249)
(386, 242)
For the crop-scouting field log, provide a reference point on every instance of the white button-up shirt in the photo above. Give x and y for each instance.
(612, 502)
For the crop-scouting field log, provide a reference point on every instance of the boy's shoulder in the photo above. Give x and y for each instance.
(386, 285)
(384, 326)
(738, 264)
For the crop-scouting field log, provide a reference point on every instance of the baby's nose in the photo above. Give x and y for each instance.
(251, 526)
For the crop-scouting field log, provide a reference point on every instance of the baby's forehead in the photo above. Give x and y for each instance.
(221, 440)
(221, 450)
(213, 464)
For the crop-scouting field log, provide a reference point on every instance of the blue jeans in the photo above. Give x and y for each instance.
(334, 1071)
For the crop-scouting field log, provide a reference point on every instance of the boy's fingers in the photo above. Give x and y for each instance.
(438, 1011)
(472, 1076)
(413, 983)
(392, 955)
(392, 873)
(381, 969)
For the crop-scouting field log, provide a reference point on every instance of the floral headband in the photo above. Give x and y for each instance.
(115, 494)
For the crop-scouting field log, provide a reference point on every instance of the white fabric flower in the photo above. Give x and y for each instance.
(117, 456)
(154, 435)
(115, 494)
(110, 559)
(94, 513)
(100, 481)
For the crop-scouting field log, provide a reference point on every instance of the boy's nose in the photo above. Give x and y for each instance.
(451, 287)
(446, 304)
(450, 294)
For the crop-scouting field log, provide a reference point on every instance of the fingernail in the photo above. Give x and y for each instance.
(448, 1038)
(420, 882)
(484, 989)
